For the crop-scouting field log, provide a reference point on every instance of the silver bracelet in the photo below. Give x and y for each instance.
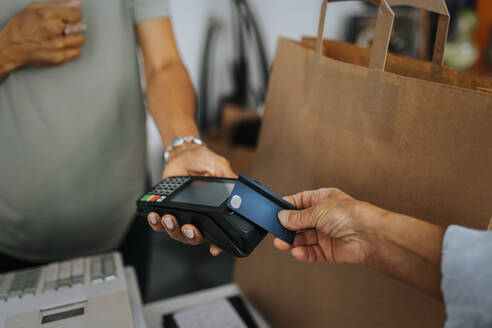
(179, 142)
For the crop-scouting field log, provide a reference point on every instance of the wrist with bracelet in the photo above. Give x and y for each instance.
(179, 142)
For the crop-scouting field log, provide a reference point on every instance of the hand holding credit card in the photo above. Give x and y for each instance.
(234, 214)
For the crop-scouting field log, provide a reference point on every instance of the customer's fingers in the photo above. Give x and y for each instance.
(303, 238)
(306, 238)
(298, 220)
(309, 254)
(310, 198)
(303, 199)
(281, 245)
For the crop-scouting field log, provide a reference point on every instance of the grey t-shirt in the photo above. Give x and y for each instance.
(467, 277)
(72, 139)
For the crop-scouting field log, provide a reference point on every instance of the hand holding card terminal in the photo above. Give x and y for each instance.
(206, 203)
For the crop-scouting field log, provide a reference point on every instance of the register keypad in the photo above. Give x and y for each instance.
(56, 276)
(20, 284)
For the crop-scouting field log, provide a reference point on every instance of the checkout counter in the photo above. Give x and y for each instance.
(97, 291)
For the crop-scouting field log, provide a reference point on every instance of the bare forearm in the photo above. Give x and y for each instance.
(419, 237)
(171, 101)
(404, 265)
(407, 249)
(332, 226)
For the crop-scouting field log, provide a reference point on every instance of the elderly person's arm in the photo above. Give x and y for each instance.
(336, 228)
(454, 265)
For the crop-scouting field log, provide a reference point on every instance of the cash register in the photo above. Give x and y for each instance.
(93, 291)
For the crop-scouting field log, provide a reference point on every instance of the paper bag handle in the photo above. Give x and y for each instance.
(438, 7)
(384, 27)
(380, 45)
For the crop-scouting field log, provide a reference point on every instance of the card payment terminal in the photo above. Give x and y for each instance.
(234, 214)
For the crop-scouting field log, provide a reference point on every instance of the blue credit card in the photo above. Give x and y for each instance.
(260, 206)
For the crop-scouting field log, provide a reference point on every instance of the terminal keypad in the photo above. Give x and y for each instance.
(164, 189)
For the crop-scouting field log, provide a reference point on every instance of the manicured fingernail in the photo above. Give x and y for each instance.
(283, 216)
(189, 233)
(153, 219)
(169, 223)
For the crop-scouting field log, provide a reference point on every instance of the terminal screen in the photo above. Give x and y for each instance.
(208, 193)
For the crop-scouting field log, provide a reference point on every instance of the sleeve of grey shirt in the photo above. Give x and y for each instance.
(467, 277)
(149, 9)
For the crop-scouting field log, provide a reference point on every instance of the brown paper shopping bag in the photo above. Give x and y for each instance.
(406, 135)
